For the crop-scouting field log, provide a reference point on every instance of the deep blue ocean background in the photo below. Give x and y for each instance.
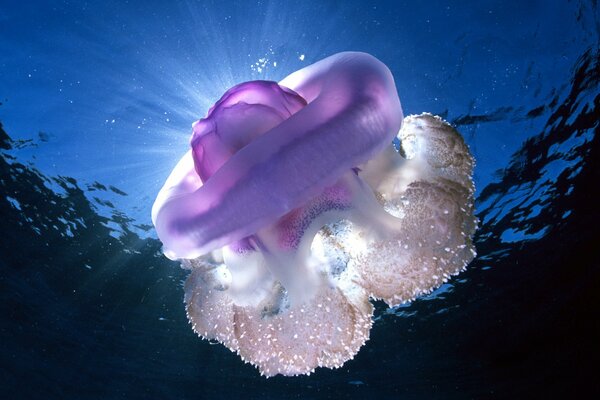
(97, 99)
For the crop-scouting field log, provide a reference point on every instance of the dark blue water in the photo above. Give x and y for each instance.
(97, 100)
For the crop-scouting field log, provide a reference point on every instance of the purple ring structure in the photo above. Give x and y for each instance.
(352, 113)
(293, 208)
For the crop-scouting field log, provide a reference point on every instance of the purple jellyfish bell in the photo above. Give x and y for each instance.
(293, 208)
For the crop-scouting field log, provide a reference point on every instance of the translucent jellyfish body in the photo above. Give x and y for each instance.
(293, 209)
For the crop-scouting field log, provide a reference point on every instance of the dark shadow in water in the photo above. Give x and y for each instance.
(86, 313)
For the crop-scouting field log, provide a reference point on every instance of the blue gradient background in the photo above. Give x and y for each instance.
(106, 91)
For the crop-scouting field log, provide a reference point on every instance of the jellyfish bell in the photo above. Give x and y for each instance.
(245, 112)
(294, 161)
(292, 209)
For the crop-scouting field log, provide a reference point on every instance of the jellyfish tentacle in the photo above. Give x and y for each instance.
(252, 281)
(433, 239)
(326, 331)
(208, 305)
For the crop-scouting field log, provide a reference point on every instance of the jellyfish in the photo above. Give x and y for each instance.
(301, 201)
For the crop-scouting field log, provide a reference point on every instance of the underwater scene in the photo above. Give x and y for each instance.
(309, 200)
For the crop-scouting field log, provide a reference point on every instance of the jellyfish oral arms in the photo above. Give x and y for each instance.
(293, 208)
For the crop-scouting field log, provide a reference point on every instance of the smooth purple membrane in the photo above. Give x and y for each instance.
(289, 154)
